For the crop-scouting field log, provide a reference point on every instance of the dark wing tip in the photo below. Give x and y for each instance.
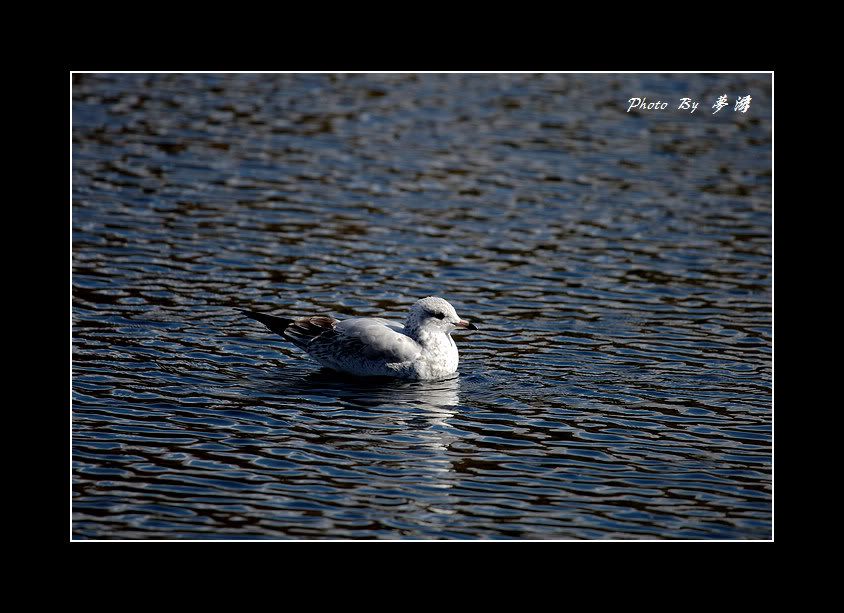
(276, 324)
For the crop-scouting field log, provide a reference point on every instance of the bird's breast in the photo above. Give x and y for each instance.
(439, 357)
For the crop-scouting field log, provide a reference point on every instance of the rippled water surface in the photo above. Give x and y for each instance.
(618, 265)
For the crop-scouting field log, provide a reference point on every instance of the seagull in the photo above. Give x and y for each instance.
(419, 349)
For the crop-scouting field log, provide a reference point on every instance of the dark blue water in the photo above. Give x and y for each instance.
(618, 264)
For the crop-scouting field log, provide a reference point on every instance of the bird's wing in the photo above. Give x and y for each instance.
(276, 324)
(368, 338)
(302, 332)
(299, 331)
(356, 338)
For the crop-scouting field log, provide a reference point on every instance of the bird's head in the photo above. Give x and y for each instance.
(436, 314)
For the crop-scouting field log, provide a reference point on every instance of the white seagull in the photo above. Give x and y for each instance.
(421, 348)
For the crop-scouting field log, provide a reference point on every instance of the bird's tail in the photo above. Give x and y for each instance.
(276, 324)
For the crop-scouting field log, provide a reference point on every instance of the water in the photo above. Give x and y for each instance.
(618, 265)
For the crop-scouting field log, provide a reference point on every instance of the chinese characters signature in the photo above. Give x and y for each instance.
(687, 104)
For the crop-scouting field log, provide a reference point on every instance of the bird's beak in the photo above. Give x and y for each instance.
(465, 325)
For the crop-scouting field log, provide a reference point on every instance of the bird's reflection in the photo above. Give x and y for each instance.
(435, 396)
(420, 409)
(392, 439)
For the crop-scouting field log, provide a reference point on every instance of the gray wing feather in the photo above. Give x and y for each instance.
(303, 332)
(369, 338)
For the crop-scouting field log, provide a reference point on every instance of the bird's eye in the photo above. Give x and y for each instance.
(439, 315)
